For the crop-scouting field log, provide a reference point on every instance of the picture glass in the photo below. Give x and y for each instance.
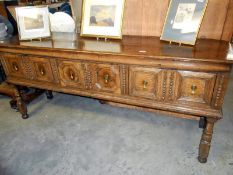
(102, 15)
(102, 18)
(33, 22)
(183, 21)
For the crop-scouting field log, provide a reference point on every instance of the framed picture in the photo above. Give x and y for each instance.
(33, 22)
(183, 21)
(102, 18)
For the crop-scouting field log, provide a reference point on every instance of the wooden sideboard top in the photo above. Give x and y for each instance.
(144, 47)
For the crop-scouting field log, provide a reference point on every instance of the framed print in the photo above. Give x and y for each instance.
(183, 21)
(102, 18)
(33, 22)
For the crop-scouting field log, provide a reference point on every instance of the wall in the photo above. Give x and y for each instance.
(146, 17)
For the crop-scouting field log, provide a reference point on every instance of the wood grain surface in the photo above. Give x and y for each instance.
(147, 17)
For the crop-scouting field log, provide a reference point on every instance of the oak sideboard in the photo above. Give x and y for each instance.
(142, 72)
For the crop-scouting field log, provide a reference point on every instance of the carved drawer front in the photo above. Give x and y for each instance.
(143, 82)
(14, 65)
(196, 87)
(106, 78)
(71, 74)
(42, 68)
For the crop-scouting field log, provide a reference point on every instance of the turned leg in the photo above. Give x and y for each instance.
(20, 104)
(49, 94)
(206, 138)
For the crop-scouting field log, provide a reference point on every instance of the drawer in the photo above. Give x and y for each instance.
(172, 86)
(42, 69)
(196, 87)
(106, 78)
(14, 65)
(144, 82)
(71, 74)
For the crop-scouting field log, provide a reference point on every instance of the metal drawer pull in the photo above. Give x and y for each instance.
(106, 78)
(72, 76)
(194, 89)
(15, 66)
(145, 83)
(42, 71)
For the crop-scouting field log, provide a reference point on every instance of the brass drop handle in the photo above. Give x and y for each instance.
(145, 83)
(193, 88)
(72, 76)
(42, 71)
(15, 66)
(106, 78)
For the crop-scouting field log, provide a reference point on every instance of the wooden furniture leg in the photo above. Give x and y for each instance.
(21, 104)
(8, 90)
(29, 97)
(206, 138)
(49, 94)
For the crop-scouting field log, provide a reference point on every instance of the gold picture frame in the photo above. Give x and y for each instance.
(102, 18)
(183, 21)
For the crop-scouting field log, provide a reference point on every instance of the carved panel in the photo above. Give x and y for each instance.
(196, 87)
(3, 61)
(164, 85)
(55, 70)
(143, 82)
(28, 67)
(124, 79)
(171, 85)
(106, 78)
(87, 68)
(173, 79)
(71, 74)
(16, 66)
(168, 89)
(42, 68)
(220, 90)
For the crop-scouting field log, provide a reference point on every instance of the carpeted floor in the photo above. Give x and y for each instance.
(72, 135)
